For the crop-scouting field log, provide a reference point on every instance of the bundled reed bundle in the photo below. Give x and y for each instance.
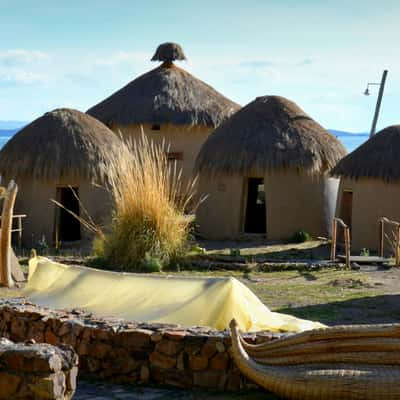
(359, 362)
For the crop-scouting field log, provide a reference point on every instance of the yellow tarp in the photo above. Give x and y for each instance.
(185, 301)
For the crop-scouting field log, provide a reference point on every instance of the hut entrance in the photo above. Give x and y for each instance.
(68, 228)
(346, 212)
(346, 208)
(255, 221)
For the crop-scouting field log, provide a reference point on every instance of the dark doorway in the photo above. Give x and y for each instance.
(68, 228)
(255, 221)
(346, 212)
(346, 208)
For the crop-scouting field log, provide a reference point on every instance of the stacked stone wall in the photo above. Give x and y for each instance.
(37, 371)
(129, 352)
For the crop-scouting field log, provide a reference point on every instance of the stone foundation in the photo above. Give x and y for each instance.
(37, 371)
(129, 352)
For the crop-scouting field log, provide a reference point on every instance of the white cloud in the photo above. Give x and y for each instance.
(21, 78)
(17, 57)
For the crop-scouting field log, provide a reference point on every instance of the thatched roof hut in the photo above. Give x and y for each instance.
(63, 148)
(170, 105)
(268, 163)
(377, 158)
(63, 143)
(165, 95)
(271, 133)
(370, 186)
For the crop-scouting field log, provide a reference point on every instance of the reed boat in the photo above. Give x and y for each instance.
(355, 362)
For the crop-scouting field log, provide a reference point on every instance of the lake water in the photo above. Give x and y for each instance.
(350, 141)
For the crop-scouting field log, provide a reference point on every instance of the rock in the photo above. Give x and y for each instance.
(93, 364)
(70, 379)
(144, 374)
(99, 350)
(49, 387)
(219, 361)
(220, 347)
(234, 381)
(178, 379)
(177, 335)
(101, 334)
(169, 347)
(209, 348)
(161, 361)
(156, 337)
(9, 384)
(180, 362)
(50, 337)
(138, 339)
(18, 331)
(209, 379)
(198, 363)
(64, 329)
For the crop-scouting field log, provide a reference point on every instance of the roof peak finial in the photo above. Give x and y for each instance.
(169, 52)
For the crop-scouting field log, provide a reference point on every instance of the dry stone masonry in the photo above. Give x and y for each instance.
(129, 352)
(37, 371)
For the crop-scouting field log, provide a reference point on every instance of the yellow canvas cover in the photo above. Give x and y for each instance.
(187, 301)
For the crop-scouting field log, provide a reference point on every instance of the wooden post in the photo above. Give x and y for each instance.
(381, 236)
(19, 231)
(5, 237)
(347, 246)
(333, 243)
(397, 253)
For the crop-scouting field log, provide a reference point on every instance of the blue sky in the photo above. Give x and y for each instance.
(319, 53)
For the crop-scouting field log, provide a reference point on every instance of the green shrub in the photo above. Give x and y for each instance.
(301, 237)
(364, 252)
(149, 221)
(151, 264)
(234, 252)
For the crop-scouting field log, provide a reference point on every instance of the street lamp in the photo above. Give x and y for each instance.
(378, 101)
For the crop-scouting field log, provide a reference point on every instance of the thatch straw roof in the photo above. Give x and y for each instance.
(166, 94)
(376, 158)
(269, 133)
(169, 52)
(63, 143)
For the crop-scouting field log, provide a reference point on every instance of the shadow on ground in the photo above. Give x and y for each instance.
(382, 309)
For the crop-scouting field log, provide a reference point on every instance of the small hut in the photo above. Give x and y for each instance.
(370, 187)
(265, 171)
(61, 150)
(170, 105)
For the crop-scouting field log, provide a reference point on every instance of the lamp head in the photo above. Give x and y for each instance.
(367, 92)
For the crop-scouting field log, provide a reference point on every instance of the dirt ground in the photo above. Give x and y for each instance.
(330, 295)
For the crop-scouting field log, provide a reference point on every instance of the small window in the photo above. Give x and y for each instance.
(156, 127)
(175, 156)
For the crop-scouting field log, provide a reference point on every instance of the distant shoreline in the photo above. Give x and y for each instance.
(349, 140)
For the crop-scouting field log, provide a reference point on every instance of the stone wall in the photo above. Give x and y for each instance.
(128, 352)
(37, 371)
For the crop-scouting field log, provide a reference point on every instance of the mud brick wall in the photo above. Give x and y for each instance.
(129, 352)
(36, 371)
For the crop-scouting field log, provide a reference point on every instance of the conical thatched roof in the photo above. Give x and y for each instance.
(166, 94)
(376, 158)
(63, 143)
(169, 52)
(269, 133)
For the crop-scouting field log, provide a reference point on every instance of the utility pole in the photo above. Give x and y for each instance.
(378, 103)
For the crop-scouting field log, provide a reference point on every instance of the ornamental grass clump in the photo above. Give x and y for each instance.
(149, 225)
